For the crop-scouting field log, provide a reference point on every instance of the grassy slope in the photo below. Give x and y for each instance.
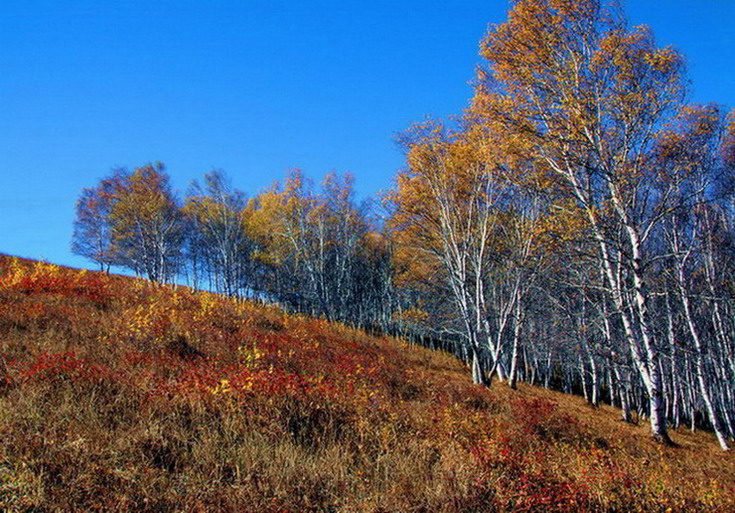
(117, 395)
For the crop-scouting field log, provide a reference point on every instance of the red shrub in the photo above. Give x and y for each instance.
(50, 366)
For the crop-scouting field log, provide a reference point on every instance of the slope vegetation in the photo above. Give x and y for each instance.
(118, 395)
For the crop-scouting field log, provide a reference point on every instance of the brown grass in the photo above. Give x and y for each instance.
(119, 396)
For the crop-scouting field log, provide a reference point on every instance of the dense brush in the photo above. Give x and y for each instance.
(118, 395)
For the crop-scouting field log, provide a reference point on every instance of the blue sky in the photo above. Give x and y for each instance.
(254, 87)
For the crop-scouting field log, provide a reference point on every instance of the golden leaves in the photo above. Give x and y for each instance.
(728, 144)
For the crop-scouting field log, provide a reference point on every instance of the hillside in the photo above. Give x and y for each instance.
(118, 395)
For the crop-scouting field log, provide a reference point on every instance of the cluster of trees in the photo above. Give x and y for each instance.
(574, 229)
(314, 252)
(580, 219)
(131, 220)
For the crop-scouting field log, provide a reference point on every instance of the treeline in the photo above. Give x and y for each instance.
(315, 252)
(574, 229)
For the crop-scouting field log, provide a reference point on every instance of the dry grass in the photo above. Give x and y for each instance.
(119, 396)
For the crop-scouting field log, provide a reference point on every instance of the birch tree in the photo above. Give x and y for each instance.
(587, 95)
(146, 223)
(216, 212)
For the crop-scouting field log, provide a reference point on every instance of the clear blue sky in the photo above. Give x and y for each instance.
(254, 87)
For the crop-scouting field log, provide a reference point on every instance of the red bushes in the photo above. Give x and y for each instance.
(43, 278)
(177, 400)
(63, 365)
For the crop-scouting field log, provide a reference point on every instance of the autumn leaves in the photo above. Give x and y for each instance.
(316, 251)
(574, 160)
(572, 228)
